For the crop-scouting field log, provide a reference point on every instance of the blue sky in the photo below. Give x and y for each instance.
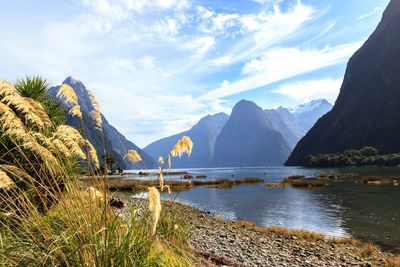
(158, 66)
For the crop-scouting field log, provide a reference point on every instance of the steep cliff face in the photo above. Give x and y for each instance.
(248, 139)
(367, 111)
(115, 143)
(203, 135)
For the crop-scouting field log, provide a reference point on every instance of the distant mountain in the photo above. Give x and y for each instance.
(203, 135)
(286, 123)
(248, 139)
(293, 123)
(367, 111)
(115, 143)
(308, 114)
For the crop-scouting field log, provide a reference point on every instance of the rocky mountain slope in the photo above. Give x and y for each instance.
(248, 139)
(203, 136)
(115, 143)
(367, 111)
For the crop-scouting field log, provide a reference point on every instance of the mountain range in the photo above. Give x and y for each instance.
(116, 145)
(367, 110)
(250, 136)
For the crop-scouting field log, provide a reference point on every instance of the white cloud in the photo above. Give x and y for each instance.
(313, 89)
(167, 28)
(280, 63)
(373, 12)
(265, 2)
(199, 46)
(156, 57)
(121, 9)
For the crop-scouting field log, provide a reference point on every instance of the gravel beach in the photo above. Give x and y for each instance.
(224, 243)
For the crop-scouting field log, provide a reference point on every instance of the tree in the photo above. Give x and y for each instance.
(110, 161)
(369, 151)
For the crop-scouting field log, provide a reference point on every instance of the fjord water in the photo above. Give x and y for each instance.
(342, 208)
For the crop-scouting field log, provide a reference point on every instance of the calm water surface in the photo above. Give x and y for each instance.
(342, 208)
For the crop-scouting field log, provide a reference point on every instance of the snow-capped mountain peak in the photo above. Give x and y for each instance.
(310, 106)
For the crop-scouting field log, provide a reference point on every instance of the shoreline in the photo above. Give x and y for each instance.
(247, 244)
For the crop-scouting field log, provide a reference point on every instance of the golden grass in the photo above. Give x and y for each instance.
(308, 183)
(54, 220)
(282, 185)
(5, 181)
(154, 206)
(96, 115)
(374, 180)
(133, 156)
(182, 146)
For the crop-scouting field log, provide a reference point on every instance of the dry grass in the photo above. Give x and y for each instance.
(138, 186)
(374, 180)
(335, 175)
(308, 183)
(50, 218)
(295, 177)
(133, 156)
(282, 185)
(184, 145)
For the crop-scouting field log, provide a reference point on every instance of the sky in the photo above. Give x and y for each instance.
(157, 67)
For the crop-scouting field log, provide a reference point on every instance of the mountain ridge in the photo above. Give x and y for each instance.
(115, 143)
(367, 110)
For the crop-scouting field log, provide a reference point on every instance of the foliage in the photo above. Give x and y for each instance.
(366, 156)
(49, 218)
(37, 88)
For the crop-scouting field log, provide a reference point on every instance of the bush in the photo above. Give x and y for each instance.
(369, 151)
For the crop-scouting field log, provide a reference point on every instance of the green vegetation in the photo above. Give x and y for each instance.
(48, 217)
(366, 156)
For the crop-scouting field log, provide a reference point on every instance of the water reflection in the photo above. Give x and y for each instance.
(342, 208)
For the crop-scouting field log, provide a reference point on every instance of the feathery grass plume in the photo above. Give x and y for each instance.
(6, 88)
(154, 206)
(96, 115)
(169, 161)
(25, 108)
(12, 125)
(47, 157)
(133, 156)
(93, 154)
(72, 139)
(39, 111)
(44, 140)
(5, 181)
(75, 111)
(61, 147)
(160, 160)
(66, 132)
(182, 146)
(69, 94)
(161, 179)
(16, 172)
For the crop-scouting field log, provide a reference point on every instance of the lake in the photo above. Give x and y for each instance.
(342, 208)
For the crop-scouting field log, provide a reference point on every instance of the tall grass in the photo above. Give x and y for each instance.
(48, 217)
